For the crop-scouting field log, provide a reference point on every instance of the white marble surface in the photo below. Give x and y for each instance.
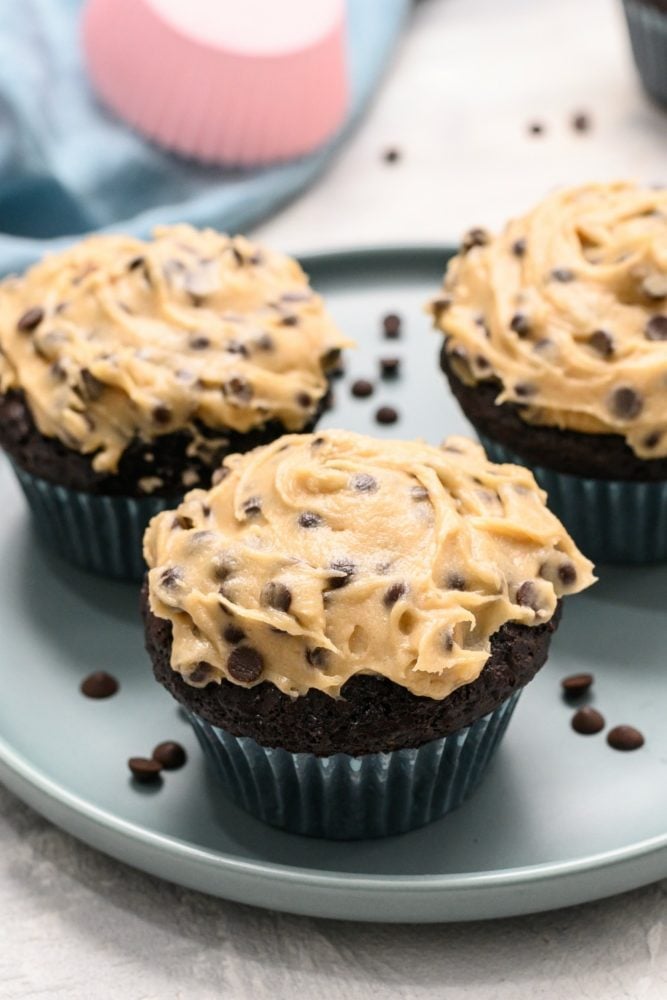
(74, 924)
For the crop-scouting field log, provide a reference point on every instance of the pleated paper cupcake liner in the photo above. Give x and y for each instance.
(351, 798)
(648, 36)
(612, 521)
(102, 534)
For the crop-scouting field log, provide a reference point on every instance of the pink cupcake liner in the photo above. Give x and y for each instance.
(210, 89)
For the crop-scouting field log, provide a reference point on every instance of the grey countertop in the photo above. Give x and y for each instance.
(73, 923)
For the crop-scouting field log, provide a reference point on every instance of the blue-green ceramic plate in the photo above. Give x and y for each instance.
(560, 819)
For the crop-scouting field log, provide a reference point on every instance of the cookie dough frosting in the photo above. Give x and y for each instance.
(567, 308)
(319, 557)
(117, 338)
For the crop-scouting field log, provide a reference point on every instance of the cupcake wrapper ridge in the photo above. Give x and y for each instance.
(101, 534)
(612, 521)
(648, 36)
(351, 798)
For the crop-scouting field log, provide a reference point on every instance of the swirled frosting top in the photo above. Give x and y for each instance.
(117, 338)
(319, 557)
(567, 308)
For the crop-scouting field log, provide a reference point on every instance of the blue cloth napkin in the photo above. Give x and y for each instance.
(67, 166)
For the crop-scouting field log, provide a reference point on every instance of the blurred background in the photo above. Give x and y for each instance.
(438, 115)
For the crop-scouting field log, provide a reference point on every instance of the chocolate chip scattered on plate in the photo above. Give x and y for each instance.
(361, 388)
(576, 684)
(391, 324)
(99, 685)
(625, 738)
(390, 367)
(386, 415)
(170, 755)
(144, 770)
(588, 721)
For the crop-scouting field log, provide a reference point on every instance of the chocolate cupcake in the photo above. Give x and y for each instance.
(556, 348)
(349, 623)
(647, 26)
(129, 369)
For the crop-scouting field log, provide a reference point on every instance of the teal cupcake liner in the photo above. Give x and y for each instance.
(102, 534)
(352, 798)
(612, 521)
(648, 36)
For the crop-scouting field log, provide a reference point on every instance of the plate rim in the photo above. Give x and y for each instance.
(28, 781)
(506, 878)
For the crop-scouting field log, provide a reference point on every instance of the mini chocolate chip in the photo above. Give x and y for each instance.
(656, 328)
(170, 755)
(652, 439)
(474, 238)
(455, 582)
(317, 656)
(99, 685)
(30, 319)
(519, 247)
(235, 347)
(57, 371)
(389, 367)
(587, 721)
(276, 595)
(394, 594)
(341, 566)
(526, 595)
(222, 567)
(245, 664)
(576, 684)
(201, 673)
(535, 128)
(625, 403)
(238, 256)
(233, 635)
(602, 342)
(524, 389)
(481, 362)
(317, 442)
(144, 770)
(391, 324)
(419, 494)
(521, 324)
(91, 388)
(239, 388)
(567, 574)
(289, 319)
(363, 482)
(361, 388)
(580, 121)
(625, 738)
(252, 506)
(562, 274)
(171, 577)
(264, 342)
(303, 399)
(136, 262)
(391, 155)
(386, 415)
(183, 522)
(309, 519)
(162, 414)
(199, 343)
